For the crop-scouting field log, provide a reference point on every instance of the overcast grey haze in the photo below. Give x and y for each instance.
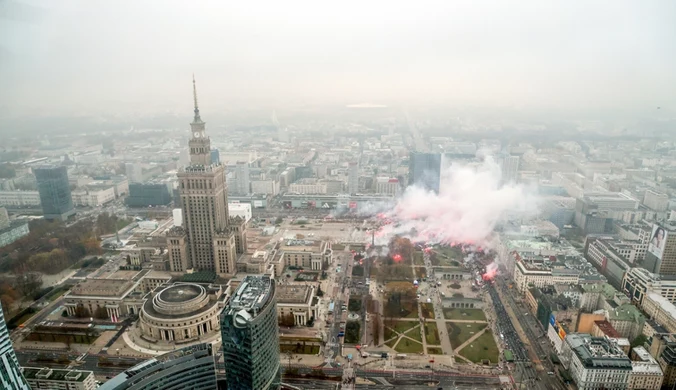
(114, 57)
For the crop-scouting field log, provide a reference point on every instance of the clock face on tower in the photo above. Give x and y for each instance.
(196, 134)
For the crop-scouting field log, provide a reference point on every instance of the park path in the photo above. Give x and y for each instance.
(403, 335)
(471, 339)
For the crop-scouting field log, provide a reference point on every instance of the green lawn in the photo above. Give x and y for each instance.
(465, 314)
(427, 310)
(352, 332)
(408, 346)
(432, 333)
(451, 252)
(337, 247)
(303, 349)
(391, 343)
(403, 326)
(461, 332)
(434, 351)
(415, 334)
(354, 304)
(482, 348)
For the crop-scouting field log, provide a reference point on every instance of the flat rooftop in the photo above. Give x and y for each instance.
(252, 294)
(293, 294)
(123, 274)
(102, 287)
(34, 373)
(607, 328)
(598, 352)
(301, 245)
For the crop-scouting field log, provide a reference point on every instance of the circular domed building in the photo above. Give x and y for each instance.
(182, 312)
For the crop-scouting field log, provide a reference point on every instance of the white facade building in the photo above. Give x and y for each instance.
(638, 282)
(646, 373)
(387, 185)
(307, 188)
(93, 196)
(20, 198)
(656, 201)
(242, 210)
(595, 362)
(527, 272)
(54, 379)
(269, 187)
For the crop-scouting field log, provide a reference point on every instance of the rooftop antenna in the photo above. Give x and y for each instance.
(194, 94)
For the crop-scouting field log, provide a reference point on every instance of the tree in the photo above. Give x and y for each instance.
(29, 283)
(640, 340)
(375, 329)
(279, 221)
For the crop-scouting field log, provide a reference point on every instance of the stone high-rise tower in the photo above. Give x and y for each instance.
(207, 240)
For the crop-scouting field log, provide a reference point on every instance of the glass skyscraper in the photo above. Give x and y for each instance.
(424, 169)
(191, 368)
(54, 189)
(10, 374)
(251, 336)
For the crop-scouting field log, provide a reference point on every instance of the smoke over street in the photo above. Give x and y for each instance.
(471, 202)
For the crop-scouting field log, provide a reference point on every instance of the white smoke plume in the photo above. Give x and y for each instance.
(470, 203)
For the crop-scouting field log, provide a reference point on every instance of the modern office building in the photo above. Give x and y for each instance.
(510, 168)
(352, 178)
(660, 258)
(243, 177)
(207, 238)
(52, 379)
(637, 282)
(424, 169)
(186, 368)
(10, 374)
(148, 194)
(215, 156)
(595, 362)
(54, 190)
(656, 200)
(250, 336)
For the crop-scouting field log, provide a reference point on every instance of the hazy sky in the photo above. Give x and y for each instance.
(88, 56)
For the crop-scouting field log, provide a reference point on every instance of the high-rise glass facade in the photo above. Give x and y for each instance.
(251, 336)
(10, 374)
(186, 368)
(424, 169)
(54, 190)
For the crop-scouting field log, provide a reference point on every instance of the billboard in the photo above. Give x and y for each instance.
(658, 238)
(558, 329)
(287, 204)
(258, 203)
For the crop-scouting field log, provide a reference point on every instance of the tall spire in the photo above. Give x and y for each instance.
(194, 94)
